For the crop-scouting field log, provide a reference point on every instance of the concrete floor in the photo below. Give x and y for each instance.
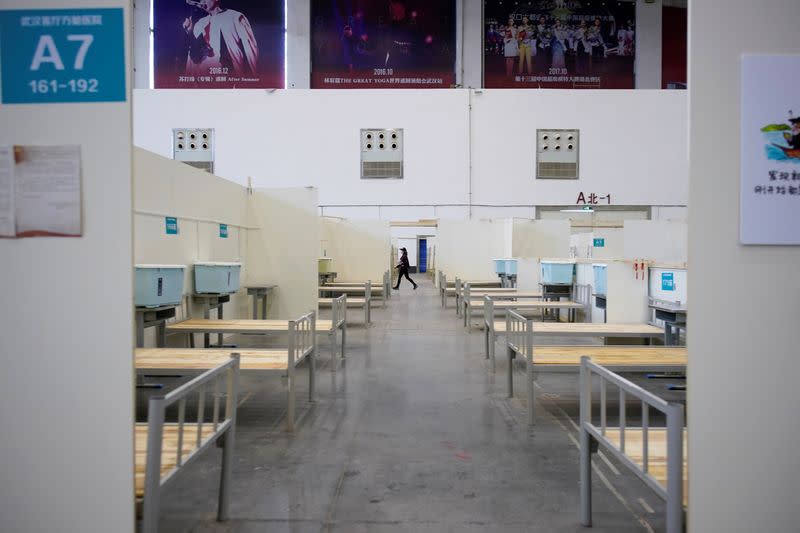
(412, 434)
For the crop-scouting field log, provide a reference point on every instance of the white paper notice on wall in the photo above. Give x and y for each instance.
(770, 181)
(40, 191)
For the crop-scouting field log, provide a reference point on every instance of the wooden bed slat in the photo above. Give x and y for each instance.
(198, 359)
(169, 448)
(657, 452)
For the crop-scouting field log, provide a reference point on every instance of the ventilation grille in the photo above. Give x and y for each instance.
(208, 166)
(382, 169)
(557, 171)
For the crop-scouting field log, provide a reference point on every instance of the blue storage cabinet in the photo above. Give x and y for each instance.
(505, 266)
(557, 272)
(216, 278)
(500, 266)
(511, 267)
(600, 278)
(158, 285)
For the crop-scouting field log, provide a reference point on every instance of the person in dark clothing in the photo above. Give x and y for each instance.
(403, 267)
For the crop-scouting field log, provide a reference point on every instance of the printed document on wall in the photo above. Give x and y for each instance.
(48, 191)
(770, 180)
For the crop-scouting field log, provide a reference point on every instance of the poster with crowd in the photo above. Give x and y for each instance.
(218, 44)
(560, 44)
(374, 44)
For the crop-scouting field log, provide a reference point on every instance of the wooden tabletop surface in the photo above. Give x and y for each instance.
(528, 304)
(351, 302)
(611, 355)
(174, 358)
(505, 294)
(580, 329)
(201, 325)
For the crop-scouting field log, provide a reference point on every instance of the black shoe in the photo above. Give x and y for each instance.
(415, 287)
(396, 288)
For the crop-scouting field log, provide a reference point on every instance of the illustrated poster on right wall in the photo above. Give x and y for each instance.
(559, 44)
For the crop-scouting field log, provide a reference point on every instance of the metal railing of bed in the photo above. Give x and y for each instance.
(302, 344)
(223, 428)
(674, 412)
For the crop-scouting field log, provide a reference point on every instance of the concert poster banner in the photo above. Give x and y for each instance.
(559, 44)
(379, 44)
(218, 44)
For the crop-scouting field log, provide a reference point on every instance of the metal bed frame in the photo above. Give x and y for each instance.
(488, 320)
(367, 300)
(459, 288)
(338, 321)
(519, 340)
(302, 344)
(224, 434)
(591, 436)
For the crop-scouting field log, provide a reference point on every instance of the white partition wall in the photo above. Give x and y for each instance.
(661, 241)
(66, 328)
(533, 239)
(201, 202)
(284, 247)
(359, 248)
(627, 293)
(743, 359)
(466, 248)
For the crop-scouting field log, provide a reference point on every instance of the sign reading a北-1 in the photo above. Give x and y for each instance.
(62, 55)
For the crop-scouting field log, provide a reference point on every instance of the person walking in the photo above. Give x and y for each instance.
(403, 268)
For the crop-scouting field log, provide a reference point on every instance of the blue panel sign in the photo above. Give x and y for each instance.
(667, 281)
(62, 55)
(172, 225)
(223, 231)
(599, 243)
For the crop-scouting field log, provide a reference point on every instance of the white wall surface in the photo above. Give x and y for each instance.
(632, 146)
(466, 248)
(662, 241)
(359, 248)
(540, 238)
(627, 295)
(742, 375)
(285, 247)
(613, 243)
(66, 331)
(300, 138)
(201, 202)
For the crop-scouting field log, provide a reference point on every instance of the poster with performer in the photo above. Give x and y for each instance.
(218, 44)
(378, 44)
(559, 44)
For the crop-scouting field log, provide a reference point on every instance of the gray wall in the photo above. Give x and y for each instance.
(744, 359)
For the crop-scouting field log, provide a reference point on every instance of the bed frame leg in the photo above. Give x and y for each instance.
(225, 476)
(529, 387)
(586, 479)
(510, 372)
(312, 375)
(493, 349)
(334, 351)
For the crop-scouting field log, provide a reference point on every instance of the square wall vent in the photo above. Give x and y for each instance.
(194, 146)
(557, 154)
(381, 153)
